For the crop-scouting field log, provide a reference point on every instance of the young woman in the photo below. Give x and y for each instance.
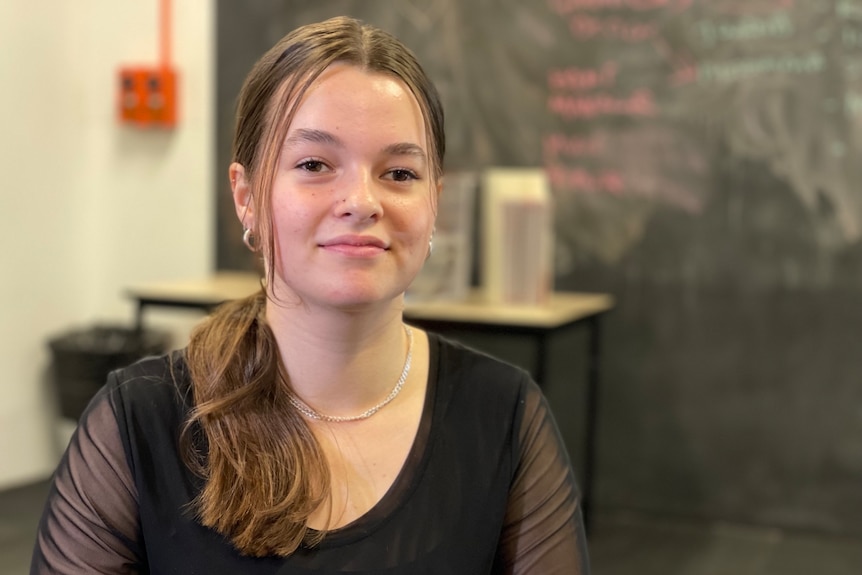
(307, 429)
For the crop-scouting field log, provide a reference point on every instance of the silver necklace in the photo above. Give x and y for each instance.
(309, 412)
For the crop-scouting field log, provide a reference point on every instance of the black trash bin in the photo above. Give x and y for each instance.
(83, 358)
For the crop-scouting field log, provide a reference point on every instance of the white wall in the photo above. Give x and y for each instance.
(91, 206)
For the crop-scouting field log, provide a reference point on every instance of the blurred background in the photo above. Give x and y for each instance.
(703, 157)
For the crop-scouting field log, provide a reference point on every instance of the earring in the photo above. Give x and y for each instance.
(430, 247)
(249, 240)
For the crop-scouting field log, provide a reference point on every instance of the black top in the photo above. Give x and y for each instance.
(486, 488)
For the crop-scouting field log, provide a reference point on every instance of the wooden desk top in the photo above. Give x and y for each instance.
(563, 308)
(202, 292)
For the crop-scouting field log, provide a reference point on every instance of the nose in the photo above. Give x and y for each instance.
(360, 199)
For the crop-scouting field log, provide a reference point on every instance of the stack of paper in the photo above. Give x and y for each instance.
(517, 221)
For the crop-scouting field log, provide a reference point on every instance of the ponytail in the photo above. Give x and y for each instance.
(263, 469)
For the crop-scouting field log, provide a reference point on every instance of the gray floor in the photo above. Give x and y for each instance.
(622, 544)
(630, 544)
(19, 514)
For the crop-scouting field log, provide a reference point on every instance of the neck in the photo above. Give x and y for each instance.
(338, 363)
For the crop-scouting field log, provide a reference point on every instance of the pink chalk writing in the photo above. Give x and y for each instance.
(583, 180)
(568, 6)
(573, 78)
(640, 103)
(613, 182)
(683, 65)
(684, 74)
(556, 146)
(585, 27)
(753, 7)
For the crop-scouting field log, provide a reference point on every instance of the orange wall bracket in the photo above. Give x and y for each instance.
(148, 94)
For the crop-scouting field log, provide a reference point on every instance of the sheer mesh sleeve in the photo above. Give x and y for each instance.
(543, 531)
(90, 521)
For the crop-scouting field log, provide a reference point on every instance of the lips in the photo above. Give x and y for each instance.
(352, 246)
(356, 241)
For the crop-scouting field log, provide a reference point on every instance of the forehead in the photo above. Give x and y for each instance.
(345, 96)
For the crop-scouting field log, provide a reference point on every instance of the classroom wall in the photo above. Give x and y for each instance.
(90, 206)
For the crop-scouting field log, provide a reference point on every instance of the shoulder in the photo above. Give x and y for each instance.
(150, 377)
(458, 359)
(150, 391)
(466, 374)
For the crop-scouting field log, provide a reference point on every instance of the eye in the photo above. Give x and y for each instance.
(311, 165)
(402, 175)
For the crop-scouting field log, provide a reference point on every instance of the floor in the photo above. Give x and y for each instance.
(19, 514)
(629, 545)
(623, 544)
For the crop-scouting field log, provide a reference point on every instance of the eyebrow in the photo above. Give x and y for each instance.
(405, 149)
(306, 135)
(309, 135)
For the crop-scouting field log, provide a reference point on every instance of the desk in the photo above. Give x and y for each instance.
(202, 294)
(473, 315)
(540, 324)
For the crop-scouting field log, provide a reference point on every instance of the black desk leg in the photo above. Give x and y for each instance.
(541, 360)
(139, 317)
(592, 421)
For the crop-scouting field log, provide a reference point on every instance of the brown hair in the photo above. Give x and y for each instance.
(263, 471)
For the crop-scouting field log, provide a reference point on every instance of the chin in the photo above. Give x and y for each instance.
(348, 291)
(358, 298)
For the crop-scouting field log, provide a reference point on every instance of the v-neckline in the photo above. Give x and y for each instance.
(408, 477)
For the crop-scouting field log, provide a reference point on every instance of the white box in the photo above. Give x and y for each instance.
(518, 236)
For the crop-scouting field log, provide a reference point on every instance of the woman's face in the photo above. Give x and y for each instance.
(353, 203)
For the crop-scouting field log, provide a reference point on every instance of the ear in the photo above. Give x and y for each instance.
(435, 199)
(243, 200)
